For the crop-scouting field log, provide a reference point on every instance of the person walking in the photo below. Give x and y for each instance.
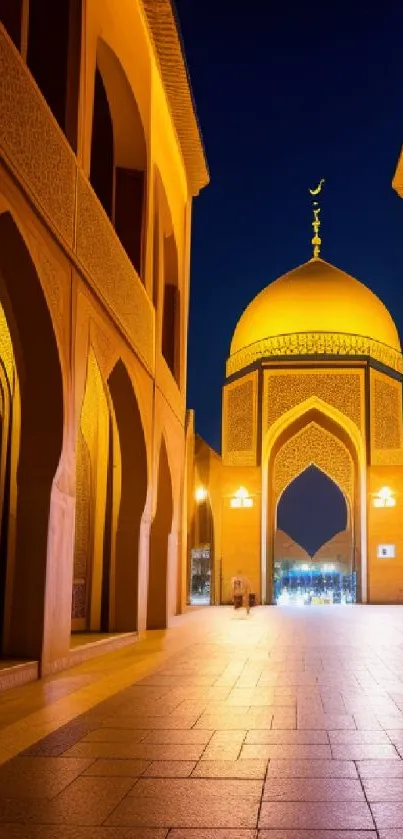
(240, 586)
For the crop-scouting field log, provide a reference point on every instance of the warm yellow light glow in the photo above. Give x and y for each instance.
(241, 498)
(316, 297)
(200, 494)
(384, 498)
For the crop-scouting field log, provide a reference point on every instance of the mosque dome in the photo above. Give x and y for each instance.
(319, 299)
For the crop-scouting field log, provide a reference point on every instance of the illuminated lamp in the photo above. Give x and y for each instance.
(384, 498)
(241, 499)
(200, 494)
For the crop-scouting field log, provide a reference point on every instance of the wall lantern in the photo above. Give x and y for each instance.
(384, 498)
(241, 498)
(200, 494)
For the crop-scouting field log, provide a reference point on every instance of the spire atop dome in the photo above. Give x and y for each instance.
(316, 241)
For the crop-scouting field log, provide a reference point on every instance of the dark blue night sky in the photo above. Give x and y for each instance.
(287, 93)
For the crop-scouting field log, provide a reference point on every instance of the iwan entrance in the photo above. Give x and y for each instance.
(313, 544)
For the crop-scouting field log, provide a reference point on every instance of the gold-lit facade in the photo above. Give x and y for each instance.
(100, 159)
(314, 378)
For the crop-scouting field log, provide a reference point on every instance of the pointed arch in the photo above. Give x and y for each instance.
(118, 171)
(36, 445)
(321, 486)
(315, 410)
(166, 258)
(157, 602)
(128, 494)
(91, 456)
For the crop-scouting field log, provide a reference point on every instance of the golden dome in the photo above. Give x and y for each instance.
(314, 298)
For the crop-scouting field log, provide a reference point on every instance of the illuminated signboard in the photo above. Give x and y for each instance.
(386, 551)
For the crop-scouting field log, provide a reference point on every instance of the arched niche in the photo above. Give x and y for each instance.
(36, 442)
(91, 477)
(166, 261)
(159, 542)
(118, 171)
(126, 499)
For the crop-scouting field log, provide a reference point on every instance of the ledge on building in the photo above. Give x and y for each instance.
(16, 673)
(86, 645)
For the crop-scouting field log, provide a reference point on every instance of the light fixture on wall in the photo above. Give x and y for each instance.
(200, 494)
(384, 498)
(241, 498)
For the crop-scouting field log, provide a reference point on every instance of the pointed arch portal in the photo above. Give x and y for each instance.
(313, 556)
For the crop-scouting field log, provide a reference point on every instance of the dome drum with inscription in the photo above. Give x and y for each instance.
(315, 310)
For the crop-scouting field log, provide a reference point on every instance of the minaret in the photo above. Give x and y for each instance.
(316, 241)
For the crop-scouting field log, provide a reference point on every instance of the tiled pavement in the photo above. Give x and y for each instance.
(286, 724)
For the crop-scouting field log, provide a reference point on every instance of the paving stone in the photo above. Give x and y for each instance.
(388, 814)
(383, 789)
(64, 831)
(343, 815)
(169, 769)
(312, 769)
(140, 751)
(312, 789)
(118, 768)
(39, 777)
(380, 768)
(319, 834)
(230, 769)
(287, 736)
(285, 751)
(364, 751)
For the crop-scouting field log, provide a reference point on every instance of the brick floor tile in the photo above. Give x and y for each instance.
(64, 831)
(383, 789)
(169, 769)
(318, 834)
(285, 752)
(364, 751)
(287, 736)
(141, 751)
(312, 769)
(312, 789)
(343, 815)
(246, 769)
(380, 768)
(179, 737)
(117, 767)
(371, 737)
(114, 735)
(39, 777)
(190, 803)
(388, 814)
(212, 834)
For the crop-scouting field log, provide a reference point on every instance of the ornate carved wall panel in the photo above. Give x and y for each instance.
(33, 142)
(386, 420)
(90, 460)
(314, 445)
(285, 390)
(82, 545)
(240, 421)
(315, 343)
(6, 347)
(105, 260)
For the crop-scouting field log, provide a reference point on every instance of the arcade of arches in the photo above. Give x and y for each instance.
(100, 160)
(312, 398)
